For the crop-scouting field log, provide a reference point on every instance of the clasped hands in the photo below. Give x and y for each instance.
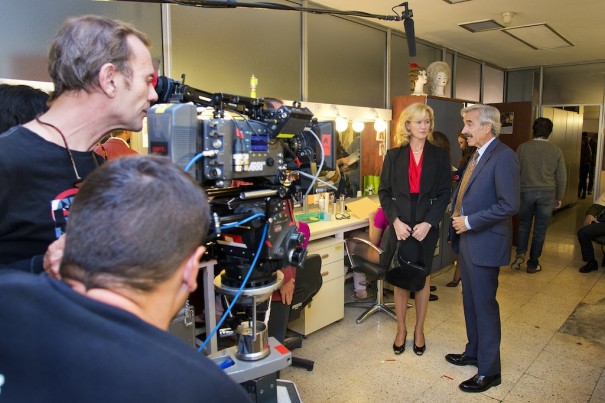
(403, 231)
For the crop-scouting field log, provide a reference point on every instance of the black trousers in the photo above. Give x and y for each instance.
(585, 236)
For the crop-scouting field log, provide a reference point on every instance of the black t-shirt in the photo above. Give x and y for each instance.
(36, 189)
(59, 346)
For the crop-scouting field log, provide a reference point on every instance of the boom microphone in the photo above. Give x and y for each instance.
(408, 26)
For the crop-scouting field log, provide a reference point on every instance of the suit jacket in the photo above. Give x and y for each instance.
(492, 197)
(435, 185)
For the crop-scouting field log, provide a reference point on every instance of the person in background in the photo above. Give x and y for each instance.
(126, 283)
(102, 74)
(467, 152)
(594, 226)
(585, 166)
(117, 145)
(543, 179)
(592, 142)
(19, 104)
(415, 188)
(484, 203)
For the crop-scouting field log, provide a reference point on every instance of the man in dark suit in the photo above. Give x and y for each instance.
(483, 206)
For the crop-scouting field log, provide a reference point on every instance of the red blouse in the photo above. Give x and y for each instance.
(414, 172)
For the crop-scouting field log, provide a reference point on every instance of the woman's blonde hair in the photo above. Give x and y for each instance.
(414, 111)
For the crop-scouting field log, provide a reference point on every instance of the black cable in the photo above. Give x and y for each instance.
(283, 7)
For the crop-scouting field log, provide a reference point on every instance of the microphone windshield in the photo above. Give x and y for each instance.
(408, 26)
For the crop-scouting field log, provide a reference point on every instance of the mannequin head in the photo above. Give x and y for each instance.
(439, 76)
(418, 79)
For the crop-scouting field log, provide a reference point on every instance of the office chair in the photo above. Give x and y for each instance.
(308, 283)
(372, 271)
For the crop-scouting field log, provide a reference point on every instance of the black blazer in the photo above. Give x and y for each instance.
(435, 185)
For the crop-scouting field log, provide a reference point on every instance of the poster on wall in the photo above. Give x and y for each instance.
(507, 119)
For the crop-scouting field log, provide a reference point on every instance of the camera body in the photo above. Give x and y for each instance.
(248, 158)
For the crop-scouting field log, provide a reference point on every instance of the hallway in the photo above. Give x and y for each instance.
(547, 355)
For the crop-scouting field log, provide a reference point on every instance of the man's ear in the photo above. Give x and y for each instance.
(192, 267)
(107, 79)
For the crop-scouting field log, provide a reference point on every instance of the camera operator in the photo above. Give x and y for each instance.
(132, 256)
(102, 74)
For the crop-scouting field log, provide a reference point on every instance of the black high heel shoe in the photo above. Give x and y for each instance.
(400, 349)
(418, 350)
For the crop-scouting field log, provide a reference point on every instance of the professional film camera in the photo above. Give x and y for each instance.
(252, 156)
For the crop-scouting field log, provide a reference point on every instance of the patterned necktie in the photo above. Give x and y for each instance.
(468, 172)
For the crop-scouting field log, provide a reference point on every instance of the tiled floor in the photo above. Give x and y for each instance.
(540, 361)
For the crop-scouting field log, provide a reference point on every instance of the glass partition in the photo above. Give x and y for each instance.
(346, 62)
(493, 85)
(29, 26)
(578, 84)
(219, 50)
(468, 79)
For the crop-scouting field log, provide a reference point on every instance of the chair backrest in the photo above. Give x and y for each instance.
(308, 283)
(388, 243)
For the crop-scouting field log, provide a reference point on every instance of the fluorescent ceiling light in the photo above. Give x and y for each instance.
(538, 36)
(480, 26)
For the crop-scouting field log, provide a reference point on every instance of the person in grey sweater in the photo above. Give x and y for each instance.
(543, 178)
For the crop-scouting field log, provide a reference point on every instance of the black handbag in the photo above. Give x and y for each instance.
(408, 269)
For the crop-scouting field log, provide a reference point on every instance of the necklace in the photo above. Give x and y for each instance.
(71, 157)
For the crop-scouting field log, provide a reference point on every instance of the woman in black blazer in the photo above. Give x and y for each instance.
(414, 192)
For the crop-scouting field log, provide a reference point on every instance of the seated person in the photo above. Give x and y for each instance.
(594, 226)
(131, 259)
(378, 223)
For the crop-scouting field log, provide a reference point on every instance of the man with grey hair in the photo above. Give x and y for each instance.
(102, 73)
(484, 203)
(132, 253)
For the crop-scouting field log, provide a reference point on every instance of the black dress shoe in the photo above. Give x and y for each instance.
(419, 350)
(461, 359)
(480, 383)
(400, 349)
(590, 266)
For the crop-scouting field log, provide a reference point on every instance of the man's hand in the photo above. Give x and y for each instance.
(590, 219)
(421, 230)
(557, 204)
(53, 256)
(459, 224)
(287, 292)
(402, 230)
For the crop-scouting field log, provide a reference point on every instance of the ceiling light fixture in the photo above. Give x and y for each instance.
(507, 17)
